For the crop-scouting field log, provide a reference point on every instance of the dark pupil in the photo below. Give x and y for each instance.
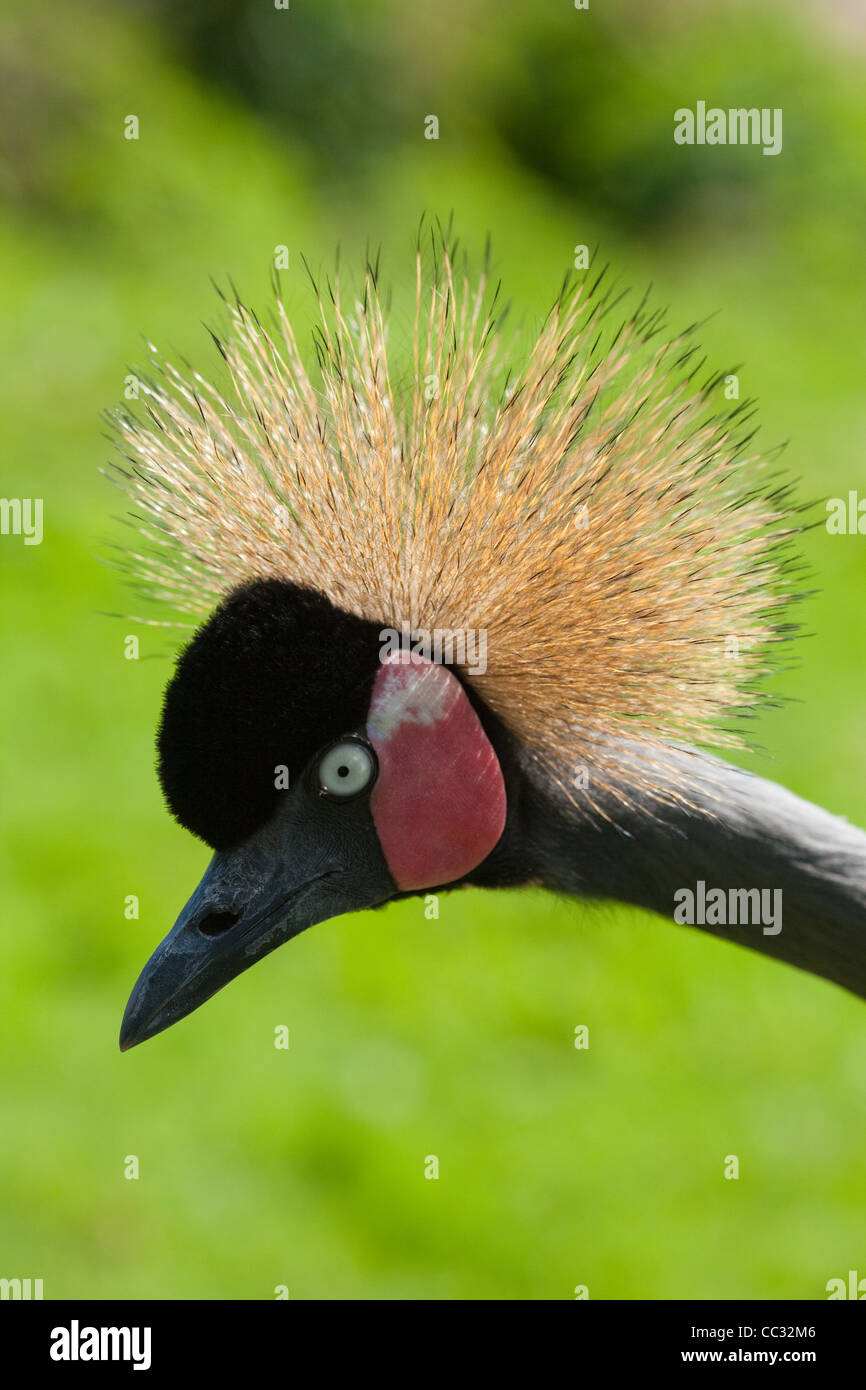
(342, 771)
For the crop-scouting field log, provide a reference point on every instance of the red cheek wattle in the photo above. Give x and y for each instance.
(439, 802)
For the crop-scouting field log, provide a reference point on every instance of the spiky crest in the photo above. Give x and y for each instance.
(597, 510)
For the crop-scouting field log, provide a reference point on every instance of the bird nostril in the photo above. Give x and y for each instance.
(215, 923)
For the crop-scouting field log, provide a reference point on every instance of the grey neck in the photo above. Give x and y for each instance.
(791, 875)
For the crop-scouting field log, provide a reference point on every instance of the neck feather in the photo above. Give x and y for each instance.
(725, 830)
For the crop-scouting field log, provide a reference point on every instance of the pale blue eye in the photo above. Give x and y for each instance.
(346, 769)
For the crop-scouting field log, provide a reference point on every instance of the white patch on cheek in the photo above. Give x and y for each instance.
(416, 693)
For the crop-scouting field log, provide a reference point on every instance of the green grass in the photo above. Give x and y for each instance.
(409, 1037)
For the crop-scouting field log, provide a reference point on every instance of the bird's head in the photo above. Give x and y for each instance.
(591, 506)
(328, 776)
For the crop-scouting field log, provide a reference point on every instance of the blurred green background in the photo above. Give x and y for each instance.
(305, 1168)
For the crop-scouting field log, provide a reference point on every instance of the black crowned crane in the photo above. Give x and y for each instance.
(595, 515)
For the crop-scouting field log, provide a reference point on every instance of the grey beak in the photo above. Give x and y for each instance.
(311, 861)
(236, 915)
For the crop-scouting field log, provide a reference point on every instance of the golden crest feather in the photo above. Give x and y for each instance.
(594, 510)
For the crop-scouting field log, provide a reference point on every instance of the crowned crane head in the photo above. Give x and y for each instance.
(464, 622)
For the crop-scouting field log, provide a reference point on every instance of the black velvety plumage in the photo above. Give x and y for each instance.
(272, 676)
